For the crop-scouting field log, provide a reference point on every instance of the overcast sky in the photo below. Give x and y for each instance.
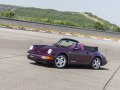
(106, 9)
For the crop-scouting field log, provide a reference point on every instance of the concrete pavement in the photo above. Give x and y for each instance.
(18, 73)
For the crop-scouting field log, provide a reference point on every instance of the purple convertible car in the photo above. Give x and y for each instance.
(67, 51)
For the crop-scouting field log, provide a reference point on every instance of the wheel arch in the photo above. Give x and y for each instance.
(64, 54)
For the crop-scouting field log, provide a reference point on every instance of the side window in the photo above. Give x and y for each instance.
(80, 46)
(77, 46)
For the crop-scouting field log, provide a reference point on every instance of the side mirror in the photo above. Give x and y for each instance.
(76, 47)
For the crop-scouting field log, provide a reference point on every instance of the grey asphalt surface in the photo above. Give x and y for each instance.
(19, 73)
(57, 28)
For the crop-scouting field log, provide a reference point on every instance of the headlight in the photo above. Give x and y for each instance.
(31, 47)
(49, 51)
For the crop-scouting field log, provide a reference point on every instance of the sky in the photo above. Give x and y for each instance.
(106, 9)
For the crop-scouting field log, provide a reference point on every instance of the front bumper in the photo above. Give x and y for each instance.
(40, 58)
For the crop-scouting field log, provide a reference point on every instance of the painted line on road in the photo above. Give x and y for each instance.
(104, 88)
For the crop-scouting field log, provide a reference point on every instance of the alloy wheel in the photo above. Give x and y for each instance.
(60, 61)
(96, 63)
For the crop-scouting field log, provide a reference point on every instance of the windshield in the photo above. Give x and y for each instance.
(66, 43)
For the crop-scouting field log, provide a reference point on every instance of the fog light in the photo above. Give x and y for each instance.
(47, 57)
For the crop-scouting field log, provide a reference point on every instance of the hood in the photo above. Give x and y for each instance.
(43, 49)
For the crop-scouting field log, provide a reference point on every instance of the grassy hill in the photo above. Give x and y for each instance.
(84, 20)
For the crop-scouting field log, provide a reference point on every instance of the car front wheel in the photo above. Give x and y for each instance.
(60, 61)
(96, 63)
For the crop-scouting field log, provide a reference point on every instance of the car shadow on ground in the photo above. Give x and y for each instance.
(42, 65)
(83, 67)
(67, 67)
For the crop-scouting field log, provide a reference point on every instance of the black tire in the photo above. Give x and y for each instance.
(96, 63)
(60, 61)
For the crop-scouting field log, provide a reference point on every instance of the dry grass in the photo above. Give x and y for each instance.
(59, 32)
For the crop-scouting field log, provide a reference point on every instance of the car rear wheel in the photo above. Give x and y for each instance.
(96, 63)
(60, 61)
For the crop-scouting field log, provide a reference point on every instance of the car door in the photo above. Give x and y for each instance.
(80, 56)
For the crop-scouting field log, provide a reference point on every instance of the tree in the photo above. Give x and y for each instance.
(8, 14)
(99, 26)
(115, 28)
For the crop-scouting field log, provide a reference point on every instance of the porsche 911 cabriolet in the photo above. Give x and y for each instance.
(67, 51)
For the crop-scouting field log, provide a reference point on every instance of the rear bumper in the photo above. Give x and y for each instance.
(38, 58)
(104, 61)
